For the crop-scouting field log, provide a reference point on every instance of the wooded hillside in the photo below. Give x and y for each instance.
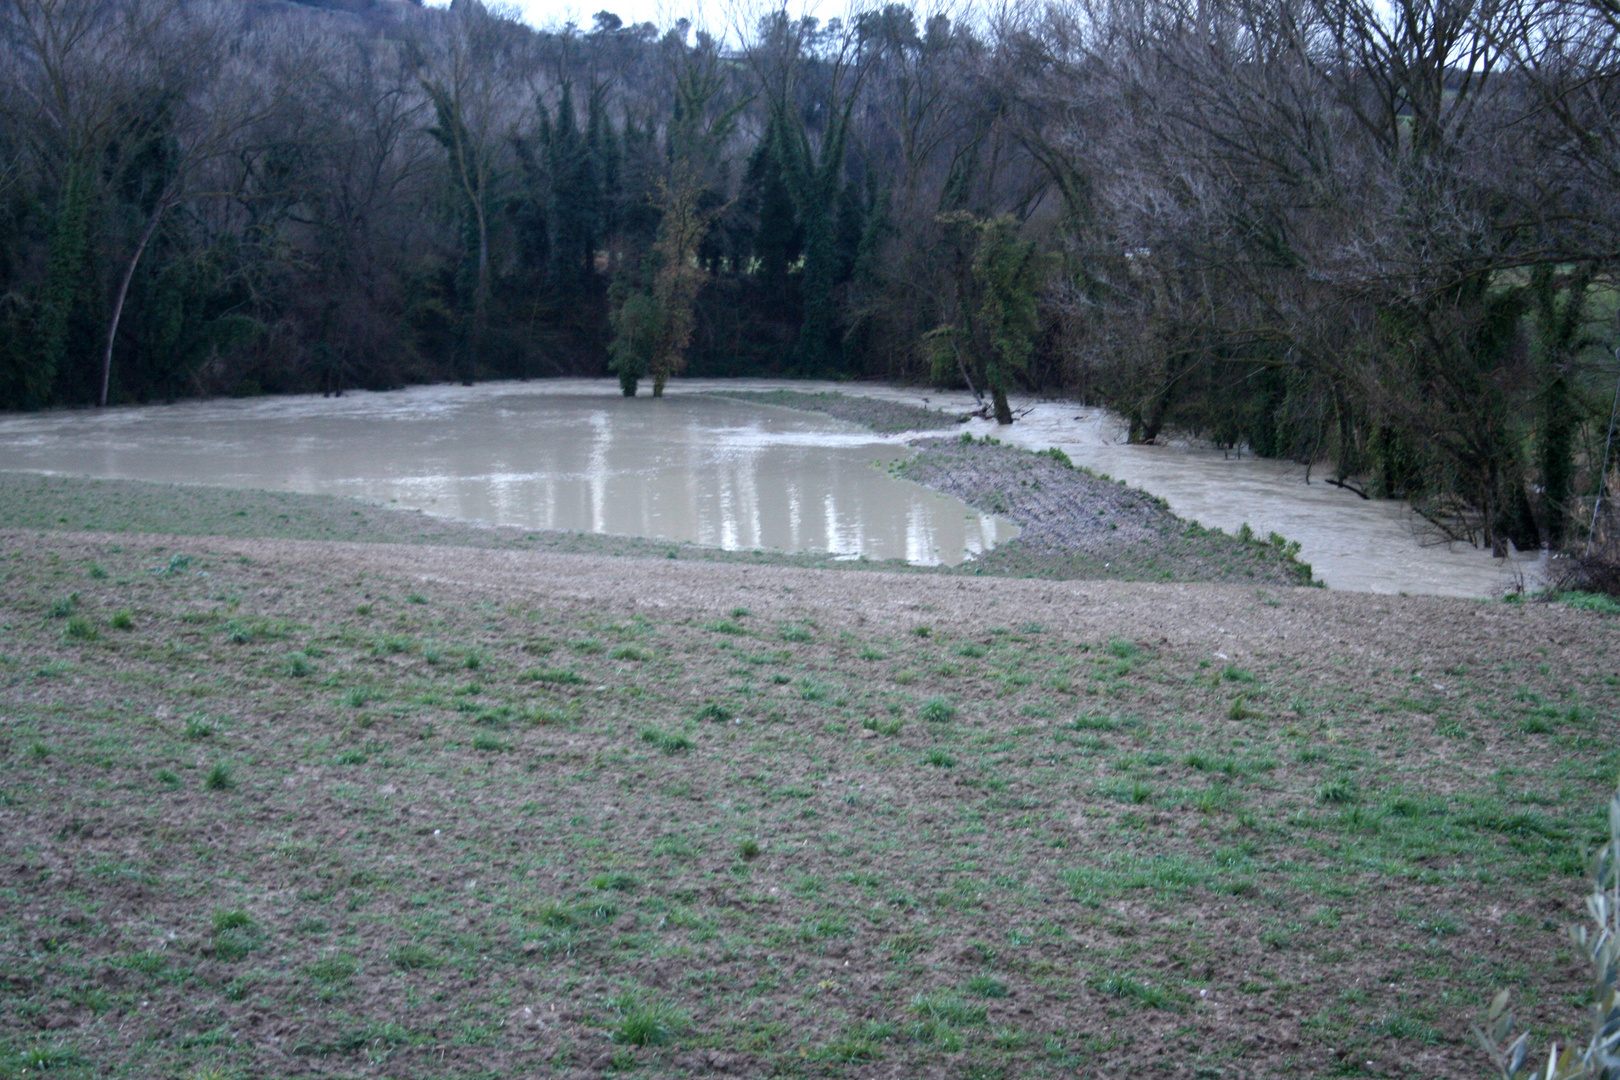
(1377, 236)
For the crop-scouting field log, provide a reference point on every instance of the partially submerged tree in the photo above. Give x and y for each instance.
(998, 279)
(638, 332)
(689, 203)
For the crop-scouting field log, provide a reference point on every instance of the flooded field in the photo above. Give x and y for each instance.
(572, 454)
(1362, 545)
(553, 455)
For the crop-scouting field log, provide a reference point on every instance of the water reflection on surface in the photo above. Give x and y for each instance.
(1355, 544)
(565, 455)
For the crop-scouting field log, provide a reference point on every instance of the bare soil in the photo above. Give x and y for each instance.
(283, 808)
(1078, 525)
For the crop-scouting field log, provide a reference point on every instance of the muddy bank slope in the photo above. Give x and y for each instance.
(1076, 525)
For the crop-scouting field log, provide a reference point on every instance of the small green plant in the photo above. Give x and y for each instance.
(748, 849)
(489, 743)
(391, 645)
(362, 609)
(353, 757)
(333, 969)
(883, 727)
(416, 598)
(553, 914)
(1213, 799)
(235, 934)
(645, 1023)
(939, 758)
(167, 777)
(795, 633)
(219, 778)
(413, 958)
(725, 626)
(847, 1050)
(297, 666)
(922, 631)
(1151, 997)
(986, 987)
(554, 676)
(198, 728)
(42, 1057)
(668, 742)
(61, 609)
(938, 710)
(1338, 791)
(98, 572)
(1094, 721)
(629, 652)
(472, 661)
(614, 882)
(80, 628)
(122, 620)
(357, 697)
(950, 1009)
(1122, 648)
(1233, 673)
(715, 712)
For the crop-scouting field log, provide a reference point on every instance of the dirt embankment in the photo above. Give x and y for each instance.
(1075, 525)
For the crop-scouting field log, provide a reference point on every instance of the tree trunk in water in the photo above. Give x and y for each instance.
(998, 398)
(481, 300)
(118, 302)
(961, 365)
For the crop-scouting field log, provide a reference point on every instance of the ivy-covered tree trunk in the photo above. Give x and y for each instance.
(64, 282)
(1559, 308)
(998, 278)
(470, 169)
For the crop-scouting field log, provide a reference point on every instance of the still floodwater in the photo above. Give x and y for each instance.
(552, 455)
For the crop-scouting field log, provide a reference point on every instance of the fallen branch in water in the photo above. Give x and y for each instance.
(1342, 484)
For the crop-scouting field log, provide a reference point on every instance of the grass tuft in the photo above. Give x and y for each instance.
(645, 1023)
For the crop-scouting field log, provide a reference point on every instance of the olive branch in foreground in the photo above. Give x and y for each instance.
(1600, 942)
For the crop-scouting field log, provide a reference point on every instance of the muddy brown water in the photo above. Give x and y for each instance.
(571, 454)
(553, 455)
(1352, 544)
